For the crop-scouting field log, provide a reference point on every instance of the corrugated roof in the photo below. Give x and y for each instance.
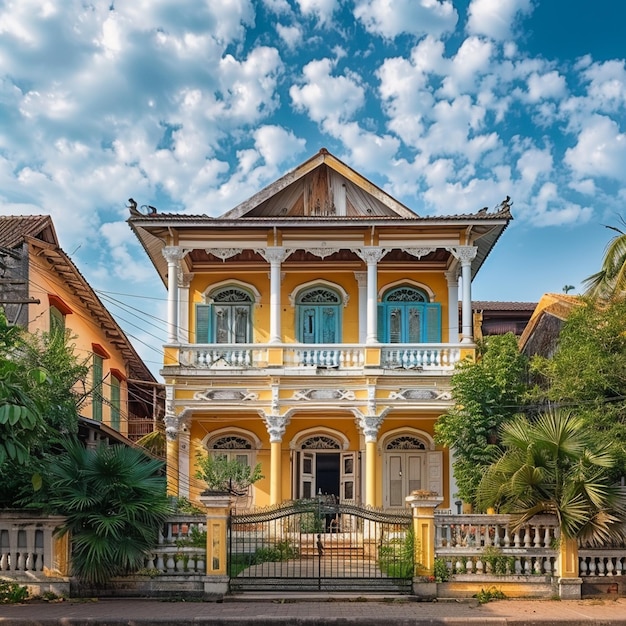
(503, 306)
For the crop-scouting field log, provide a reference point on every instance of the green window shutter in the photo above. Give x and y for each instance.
(432, 332)
(203, 323)
(115, 403)
(96, 394)
(380, 323)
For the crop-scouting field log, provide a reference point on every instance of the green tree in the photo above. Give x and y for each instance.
(114, 501)
(551, 465)
(486, 394)
(588, 371)
(226, 475)
(39, 376)
(610, 281)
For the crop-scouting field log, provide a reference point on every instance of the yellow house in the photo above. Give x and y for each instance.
(314, 329)
(42, 289)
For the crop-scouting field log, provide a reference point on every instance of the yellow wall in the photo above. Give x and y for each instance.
(84, 331)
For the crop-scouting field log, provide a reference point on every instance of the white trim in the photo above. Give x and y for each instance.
(343, 294)
(302, 435)
(428, 440)
(254, 292)
(406, 282)
(232, 430)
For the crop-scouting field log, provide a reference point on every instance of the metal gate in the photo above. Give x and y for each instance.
(321, 545)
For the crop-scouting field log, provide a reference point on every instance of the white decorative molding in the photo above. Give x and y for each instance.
(465, 254)
(418, 252)
(275, 425)
(420, 394)
(275, 254)
(371, 255)
(324, 394)
(223, 253)
(226, 394)
(370, 425)
(173, 254)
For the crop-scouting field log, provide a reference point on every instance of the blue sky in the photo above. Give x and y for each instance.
(194, 106)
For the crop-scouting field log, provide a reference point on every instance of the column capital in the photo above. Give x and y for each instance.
(173, 254)
(371, 254)
(276, 426)
(452, 276)
(274, 254)
(361, 279)
(184, 280)
(465, 254)
(370, 425)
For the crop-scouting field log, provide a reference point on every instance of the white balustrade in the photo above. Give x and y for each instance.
(487, 544)
(605, 562)
(420, 357)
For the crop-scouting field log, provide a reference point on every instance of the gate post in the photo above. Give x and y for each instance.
(569, 581)
(218, 510)
(423, 504)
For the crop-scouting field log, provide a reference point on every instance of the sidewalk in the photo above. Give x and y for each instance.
(313, 611)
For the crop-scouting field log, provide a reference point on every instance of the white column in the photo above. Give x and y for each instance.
(183, 308)
(466, 254)
(453, 305)
(361, 280)
(274, 256)
(371, 255)
(184, 478)
(173, 255)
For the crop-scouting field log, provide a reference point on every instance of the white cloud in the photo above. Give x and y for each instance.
(600, 150)
(390, 18)
(550, 210)
(291, 35)
(323, 96)
(277, 145)
(533, 165)
(496, 18)
(546, 86)
(322, 10)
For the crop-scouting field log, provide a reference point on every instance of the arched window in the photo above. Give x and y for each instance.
(406, 315)
(318, 315)
(227, 319)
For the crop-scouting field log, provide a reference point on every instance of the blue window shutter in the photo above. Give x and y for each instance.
(433, 323)
(203, 323)
(380, 323)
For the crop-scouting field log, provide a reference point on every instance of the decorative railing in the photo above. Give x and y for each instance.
(486, 544)
(602, 562)
(417, 357)
(182, 547)
(27, 544)
(433, 356)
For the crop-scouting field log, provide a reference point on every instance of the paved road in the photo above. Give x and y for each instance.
(313, 611)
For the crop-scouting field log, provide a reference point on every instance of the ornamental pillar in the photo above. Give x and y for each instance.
(466, 254)
(184, 281)
(361, 281)
(173, 256)
(370, 424)
(276, 425)
(274, 256)
(423, 504)
(453, 305)
(371, 255)
(171, 442)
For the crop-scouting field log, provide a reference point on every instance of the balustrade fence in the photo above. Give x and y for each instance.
(467, 544)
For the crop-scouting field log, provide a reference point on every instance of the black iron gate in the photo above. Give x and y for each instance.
(321, 545)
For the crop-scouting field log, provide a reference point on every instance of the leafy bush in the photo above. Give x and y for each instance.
(226, 475)
(397, 557)
(487, 595)
(12, 593)
(441, 571)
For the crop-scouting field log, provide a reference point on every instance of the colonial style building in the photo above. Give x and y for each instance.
(313, 329)
(41, 289)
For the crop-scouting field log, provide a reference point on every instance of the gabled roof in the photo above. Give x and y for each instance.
(551, 311)
(15, 228)
(38, 231)
(339, 191)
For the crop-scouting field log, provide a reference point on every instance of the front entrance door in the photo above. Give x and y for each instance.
(328, 473)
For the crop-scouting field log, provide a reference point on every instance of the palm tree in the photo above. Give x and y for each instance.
(114, 500)
(551, 465)
(611, 279)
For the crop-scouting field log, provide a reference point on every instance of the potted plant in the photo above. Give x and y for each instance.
(225, 476)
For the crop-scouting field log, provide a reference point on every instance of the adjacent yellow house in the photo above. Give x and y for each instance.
(42, 289)
(314, 329)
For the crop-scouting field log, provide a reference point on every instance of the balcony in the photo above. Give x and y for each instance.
(429, 358)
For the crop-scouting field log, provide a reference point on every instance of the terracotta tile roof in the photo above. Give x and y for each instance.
(15, 228)
(493, 305)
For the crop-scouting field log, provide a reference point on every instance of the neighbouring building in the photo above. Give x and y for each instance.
(500, 318)
(41, 289)
(314, 329)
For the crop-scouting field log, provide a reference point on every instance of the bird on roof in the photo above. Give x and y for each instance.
(483, 210)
